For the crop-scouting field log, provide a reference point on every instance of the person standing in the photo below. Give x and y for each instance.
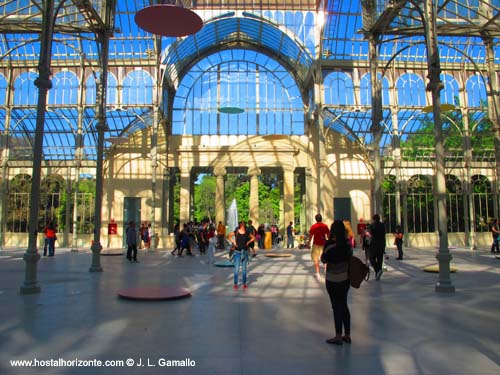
(261, 232)
(336, 255)
(241, 240)
(142, 230)
(377, 246)
(290, 236)
(177, 239)
(318, 233)
(366, 240)
(212, 242)
(45, 240)
(131, 235)
(50, 232)
(252, 231)
(398, 241)
(221, 235)
(147, 237)
(495, 232)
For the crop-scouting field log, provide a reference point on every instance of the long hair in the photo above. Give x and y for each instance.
(348, 229)
(338, 232)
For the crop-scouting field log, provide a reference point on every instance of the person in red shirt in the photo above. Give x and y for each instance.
(50, 234)
(318, 233)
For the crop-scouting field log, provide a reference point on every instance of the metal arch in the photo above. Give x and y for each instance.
(407, 122)
(229, 43)
(337, 118)
(140, 117)
(240, 60)
(27, 132)
(12, 49)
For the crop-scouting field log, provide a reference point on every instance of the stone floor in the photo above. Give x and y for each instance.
(400, 325)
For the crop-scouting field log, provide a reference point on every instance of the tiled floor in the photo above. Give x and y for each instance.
(400, 325)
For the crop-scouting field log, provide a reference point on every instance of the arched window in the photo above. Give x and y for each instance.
(476, 91)
(138, 88)
(420, 203)
(389, 205)
(411, 90)
(19, 207)
(483, 203)
(455, 204)
(64, 88)
(90, 93)
(449, 93)
(25, 91)
(365, 90)
(261, 91)
(339, 89)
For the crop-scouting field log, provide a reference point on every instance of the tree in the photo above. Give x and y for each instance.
(422, 142)
(18, 206)
(204, 198)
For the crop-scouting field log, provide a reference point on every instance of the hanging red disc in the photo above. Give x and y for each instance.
(168, 20)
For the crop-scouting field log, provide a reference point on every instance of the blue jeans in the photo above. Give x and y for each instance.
(494, 245)
(240, 258)
(51, 245)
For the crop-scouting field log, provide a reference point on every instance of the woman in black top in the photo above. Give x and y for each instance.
(337, 252)
(241, 240)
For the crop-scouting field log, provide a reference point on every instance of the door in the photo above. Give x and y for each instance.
(131, 212)
(342, 209)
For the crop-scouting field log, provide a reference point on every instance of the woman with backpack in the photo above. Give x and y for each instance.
(337, 253)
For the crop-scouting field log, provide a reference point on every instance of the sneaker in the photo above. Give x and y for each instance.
(317, 275)
(235, 287)
(378, 275)
(245, 286)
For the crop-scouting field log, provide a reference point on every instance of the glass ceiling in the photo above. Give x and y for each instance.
(284, 30)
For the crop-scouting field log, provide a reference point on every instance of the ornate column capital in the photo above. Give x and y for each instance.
(220, 171)
(254, 171)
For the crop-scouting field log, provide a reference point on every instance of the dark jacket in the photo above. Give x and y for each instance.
(336, 256)
(377, 229)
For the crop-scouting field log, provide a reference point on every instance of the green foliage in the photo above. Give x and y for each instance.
(18, 205)
(50, 201)
(242, 195)
(422, 143)
(86, 206)
(389, 184)
(237, 186)
(204, 199)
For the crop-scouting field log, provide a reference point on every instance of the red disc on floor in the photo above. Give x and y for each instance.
(154, 293)
(168, 20)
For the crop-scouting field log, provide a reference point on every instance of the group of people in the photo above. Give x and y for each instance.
(372, 238)
(333, 246)
(137, 239)
(205, 236)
